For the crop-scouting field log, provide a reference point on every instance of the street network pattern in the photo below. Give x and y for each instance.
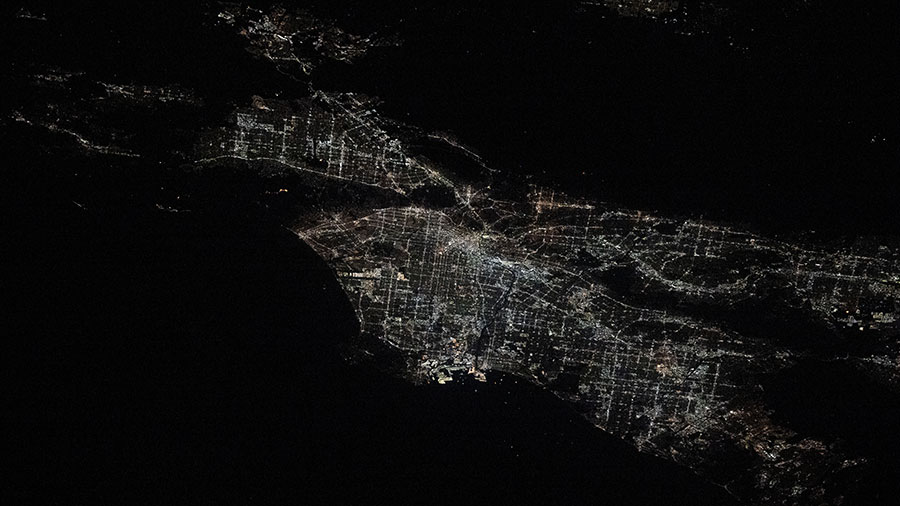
(295, 40)
(609, 308)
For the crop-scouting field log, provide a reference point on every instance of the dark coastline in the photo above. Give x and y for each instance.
(195, 358)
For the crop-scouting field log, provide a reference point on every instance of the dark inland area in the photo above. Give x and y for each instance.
(781, 122)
